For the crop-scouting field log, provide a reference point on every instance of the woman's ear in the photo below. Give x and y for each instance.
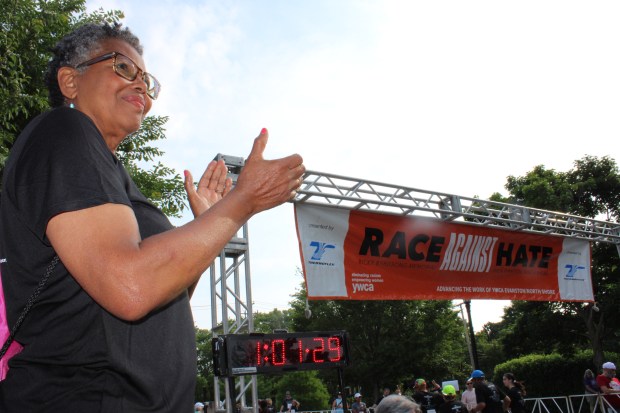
(67, 80)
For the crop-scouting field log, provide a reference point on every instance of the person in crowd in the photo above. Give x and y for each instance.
(386, 392)
(591, 388)
(289, 404)
(338, 403)
(269, 408)
(468, 397)
(514, 399)
(428, 400)
(603, 380)
(397, 404)
(451, 404)
(358, 405)
(199, 407)
(487, 394)
(112, 329)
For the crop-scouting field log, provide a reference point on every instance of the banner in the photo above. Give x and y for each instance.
(358, 255)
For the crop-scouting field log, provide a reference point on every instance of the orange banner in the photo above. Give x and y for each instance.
(359, 255)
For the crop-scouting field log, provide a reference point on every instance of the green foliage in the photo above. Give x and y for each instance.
(305, 387)
(30, 28)
(274, 320)
(549, 374)
(490, 348)
(28, 31)
(392, 342)
(204, 379)
(535, 326)
(596, 185)
(541, 188)
(162, 185)
(590, 189)
(268, 388)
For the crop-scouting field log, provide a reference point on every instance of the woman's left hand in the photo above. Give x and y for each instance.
(212, 187)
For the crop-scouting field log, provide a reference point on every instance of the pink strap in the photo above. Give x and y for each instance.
(15, 347)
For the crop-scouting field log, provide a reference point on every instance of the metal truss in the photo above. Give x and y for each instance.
(357, 194)
(230, 274)
(231, 293)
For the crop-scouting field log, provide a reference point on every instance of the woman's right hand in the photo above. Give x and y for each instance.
(264, 184)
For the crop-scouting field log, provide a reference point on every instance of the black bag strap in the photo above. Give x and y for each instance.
(31, 301)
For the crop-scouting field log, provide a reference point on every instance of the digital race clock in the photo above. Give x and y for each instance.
(238, 354)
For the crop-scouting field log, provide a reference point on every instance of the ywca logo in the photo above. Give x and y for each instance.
(319, 249)
(572, 270)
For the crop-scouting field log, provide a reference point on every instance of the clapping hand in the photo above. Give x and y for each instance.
(212, 187)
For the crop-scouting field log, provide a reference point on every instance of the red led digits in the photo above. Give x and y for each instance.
(270, 353)
(275, 360)
(316, 353)
(333, 344)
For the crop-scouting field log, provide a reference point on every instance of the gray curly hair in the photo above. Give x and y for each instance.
(77, 47)
(395, 403)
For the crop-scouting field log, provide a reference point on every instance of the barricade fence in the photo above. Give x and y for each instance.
(576, 403)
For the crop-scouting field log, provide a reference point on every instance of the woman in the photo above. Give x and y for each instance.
(112, 330)
(591, 388)
(514, 396)
(468, 397)
(337, 404)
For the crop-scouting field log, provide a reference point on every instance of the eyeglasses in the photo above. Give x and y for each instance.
(127, 69)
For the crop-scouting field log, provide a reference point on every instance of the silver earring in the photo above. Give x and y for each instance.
(71, 105)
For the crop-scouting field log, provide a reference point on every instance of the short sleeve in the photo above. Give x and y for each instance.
(64, 166)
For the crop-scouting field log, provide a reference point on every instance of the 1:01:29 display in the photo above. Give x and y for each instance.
(280, 351)
(258, 353)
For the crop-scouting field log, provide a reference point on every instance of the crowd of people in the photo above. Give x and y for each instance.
(605, 384)
(479, 396)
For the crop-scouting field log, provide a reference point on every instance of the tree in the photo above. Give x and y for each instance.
(29, 29)
(590, 189)
(274, 320)
(305, 387)
(162, 185)
(392, 342)
(205, 373)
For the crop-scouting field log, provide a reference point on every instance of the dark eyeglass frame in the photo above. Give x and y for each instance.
(152, 92)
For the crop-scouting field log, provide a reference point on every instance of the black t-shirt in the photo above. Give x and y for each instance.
(517, 404)
(77, 357)
(452, 406)
(489, 396)
(428, 400)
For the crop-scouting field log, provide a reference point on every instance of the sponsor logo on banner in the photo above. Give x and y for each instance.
(320, 248)
(572, 272)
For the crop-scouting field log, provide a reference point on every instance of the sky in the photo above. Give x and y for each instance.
(449, 96)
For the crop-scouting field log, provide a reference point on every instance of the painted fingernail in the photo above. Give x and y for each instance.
(263, 131)
(186, 173)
